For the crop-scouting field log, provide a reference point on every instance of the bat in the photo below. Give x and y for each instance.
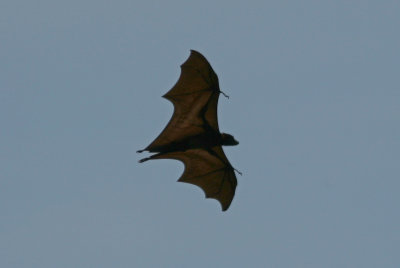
(192, 135)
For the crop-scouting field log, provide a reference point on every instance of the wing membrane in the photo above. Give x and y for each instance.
(195, 99)
(208, 169)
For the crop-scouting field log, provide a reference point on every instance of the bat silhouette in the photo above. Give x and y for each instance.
(192, 135)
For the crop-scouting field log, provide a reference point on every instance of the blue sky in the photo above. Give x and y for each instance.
(314, 101)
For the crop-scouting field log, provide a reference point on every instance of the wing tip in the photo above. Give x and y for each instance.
(224, 205)
(194, 51)
(224, 208)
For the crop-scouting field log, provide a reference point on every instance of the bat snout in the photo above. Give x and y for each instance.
(234, 142)
(228, 140)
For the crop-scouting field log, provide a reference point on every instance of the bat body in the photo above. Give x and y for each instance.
(192, 135)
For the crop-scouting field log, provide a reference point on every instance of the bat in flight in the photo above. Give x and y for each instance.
(192, 135)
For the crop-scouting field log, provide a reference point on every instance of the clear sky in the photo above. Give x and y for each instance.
(314, 101)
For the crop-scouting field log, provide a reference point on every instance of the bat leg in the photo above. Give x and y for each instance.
(140, 151)
(150, 157)
(240, 173)
(144, 159)
(226, 96)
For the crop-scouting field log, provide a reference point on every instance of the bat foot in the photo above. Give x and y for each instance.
(140, 151)
(224, 94)
(144, 159)
(240, 173)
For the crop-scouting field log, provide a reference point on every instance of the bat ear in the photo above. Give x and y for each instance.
(228, 140)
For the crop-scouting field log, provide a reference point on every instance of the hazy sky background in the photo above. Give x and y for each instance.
(314, 101)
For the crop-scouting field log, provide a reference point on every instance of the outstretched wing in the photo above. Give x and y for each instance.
(208, 169)
(195, 99)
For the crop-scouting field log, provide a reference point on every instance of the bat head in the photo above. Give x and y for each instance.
(228, 140)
